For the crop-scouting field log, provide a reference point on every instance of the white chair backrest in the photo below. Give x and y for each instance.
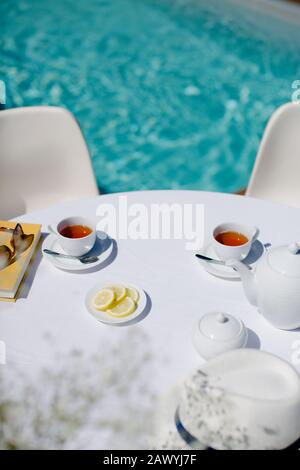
(44, 160)
(276, 173)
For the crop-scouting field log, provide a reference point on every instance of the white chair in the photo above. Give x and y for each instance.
(44, 160)
(276, 173)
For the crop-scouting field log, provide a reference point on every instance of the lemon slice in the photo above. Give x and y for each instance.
(133, 294)
(120, 292)
(104, 299)
(122, 309)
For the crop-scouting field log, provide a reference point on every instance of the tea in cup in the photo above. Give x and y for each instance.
(76, 235)
(233, 241)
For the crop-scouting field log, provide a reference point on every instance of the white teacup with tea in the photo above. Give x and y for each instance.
(76, 235)
(233, 241)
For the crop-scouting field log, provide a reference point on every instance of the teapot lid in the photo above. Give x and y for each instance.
(286, 259)
(219, 326)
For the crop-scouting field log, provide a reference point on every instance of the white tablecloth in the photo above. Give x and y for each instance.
(49, 322)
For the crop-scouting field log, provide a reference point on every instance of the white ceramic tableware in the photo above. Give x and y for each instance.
(102, 249)
(224, 271)
(75, 246)
(218, 332)
(243, 400)
(226, 252)
(102, 316)
(274, 286)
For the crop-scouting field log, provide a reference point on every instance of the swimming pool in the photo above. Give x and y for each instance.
(169, 93)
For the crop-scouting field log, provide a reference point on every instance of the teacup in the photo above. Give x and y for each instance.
(75, 246)
(245, 237)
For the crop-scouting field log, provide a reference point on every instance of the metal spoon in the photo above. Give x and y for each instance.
(217, 261)
(85, 259)
(211, 260)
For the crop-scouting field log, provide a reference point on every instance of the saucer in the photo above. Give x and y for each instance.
(102, 248)
(226, 272)
(104, 317)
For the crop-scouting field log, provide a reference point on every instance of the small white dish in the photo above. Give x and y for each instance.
(104, 317)
(226, 272)
(217, 333)
(218, 270)
(102, 248)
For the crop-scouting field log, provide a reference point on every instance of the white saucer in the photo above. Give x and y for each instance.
(226, 272)
(104, 317)
(102, 249)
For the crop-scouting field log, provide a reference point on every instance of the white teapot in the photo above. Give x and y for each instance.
(274, 285)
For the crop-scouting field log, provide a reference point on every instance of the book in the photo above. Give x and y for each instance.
(11, 276)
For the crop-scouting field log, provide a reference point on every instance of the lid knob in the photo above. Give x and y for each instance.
(294, 248)
(222, 318)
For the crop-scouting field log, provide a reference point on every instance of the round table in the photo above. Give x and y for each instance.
(96, 384)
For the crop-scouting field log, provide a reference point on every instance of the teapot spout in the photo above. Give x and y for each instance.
(248, 279)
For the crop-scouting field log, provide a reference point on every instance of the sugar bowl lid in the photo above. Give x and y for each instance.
(218, 332)
(219, 326)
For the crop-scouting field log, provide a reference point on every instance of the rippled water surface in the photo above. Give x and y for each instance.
(169, 93)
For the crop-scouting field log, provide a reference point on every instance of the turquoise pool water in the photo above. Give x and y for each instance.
(169, 93)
